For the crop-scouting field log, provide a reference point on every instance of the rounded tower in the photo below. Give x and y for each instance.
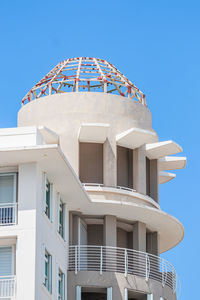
(105, 131)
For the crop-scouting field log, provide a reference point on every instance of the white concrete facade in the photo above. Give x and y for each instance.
(60, 220)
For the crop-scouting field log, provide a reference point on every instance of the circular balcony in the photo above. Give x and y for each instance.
(121, 260)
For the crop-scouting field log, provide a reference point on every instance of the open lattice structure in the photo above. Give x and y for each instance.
(85, 74)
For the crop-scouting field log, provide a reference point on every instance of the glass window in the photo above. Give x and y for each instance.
(48, 198)
(61, 213)
(7, 188)
(6, 261)
(48, 271)
(61, 285)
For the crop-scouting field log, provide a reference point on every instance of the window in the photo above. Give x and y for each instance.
(6, 261)
(61, 285)
(48, 198)
(8, 188)
(8, 206)
(61, 217)
(48, 271)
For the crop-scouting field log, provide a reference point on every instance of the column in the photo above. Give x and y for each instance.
(110, 240)
(109, 163)
(110, 231)
(139, 236)
(139, 170)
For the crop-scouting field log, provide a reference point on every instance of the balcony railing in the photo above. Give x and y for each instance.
(8, 214)
(7, 287)
(121, 260)
(102, 185)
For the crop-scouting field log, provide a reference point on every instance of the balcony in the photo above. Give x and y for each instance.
(8, 214)
(7, 287)
(126, 261)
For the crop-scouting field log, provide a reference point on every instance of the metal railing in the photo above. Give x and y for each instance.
(7, 287)
(122, 260)
(102, 185)
(8, 214)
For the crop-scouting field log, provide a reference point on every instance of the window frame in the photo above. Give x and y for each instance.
(14, 174)
(47, 280)
(60, 296)
(48, 205)
(60, 216)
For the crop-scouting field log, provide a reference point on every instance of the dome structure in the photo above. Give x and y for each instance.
(85, 74)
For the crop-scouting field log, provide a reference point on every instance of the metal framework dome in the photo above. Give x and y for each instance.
(85, 74)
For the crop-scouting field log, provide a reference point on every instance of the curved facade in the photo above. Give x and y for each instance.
(116, 237)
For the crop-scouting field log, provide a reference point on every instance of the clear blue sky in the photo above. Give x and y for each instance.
(156, 44)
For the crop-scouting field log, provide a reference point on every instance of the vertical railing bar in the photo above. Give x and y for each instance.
(125, 261)
(75, 259)
(101, 261)
(147, 277)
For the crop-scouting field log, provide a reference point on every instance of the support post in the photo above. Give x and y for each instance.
(109, 293)
(78, 292)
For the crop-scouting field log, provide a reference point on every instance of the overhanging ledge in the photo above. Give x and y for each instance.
(160, 149)
(93, 132)
(136, 137)
(51, 160)
(171, 163)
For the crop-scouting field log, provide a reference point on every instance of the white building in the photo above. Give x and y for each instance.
(79, 197)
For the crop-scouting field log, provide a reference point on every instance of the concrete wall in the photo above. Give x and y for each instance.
(152, 183)
(64, 114)
(91, 162)
(124, 167)
(95, 234)
(118, 282)
(33, 232)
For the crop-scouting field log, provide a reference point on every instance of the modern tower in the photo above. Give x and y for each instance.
(79, 191)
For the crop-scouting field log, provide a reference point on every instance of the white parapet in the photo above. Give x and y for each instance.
(26, 136)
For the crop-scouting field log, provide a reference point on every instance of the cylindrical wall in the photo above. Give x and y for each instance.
(64, 114)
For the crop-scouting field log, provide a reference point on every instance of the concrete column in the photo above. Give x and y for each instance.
(75, 230)
(109, 163)
(26, 241)
(139, 170)
(110, 231)
(139, 236)
(154, 180)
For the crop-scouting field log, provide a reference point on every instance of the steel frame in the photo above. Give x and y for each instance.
(85, 74)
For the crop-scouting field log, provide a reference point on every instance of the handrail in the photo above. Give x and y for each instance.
(122, 260)
(8, 214)
(7, 287)
(102, 185)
